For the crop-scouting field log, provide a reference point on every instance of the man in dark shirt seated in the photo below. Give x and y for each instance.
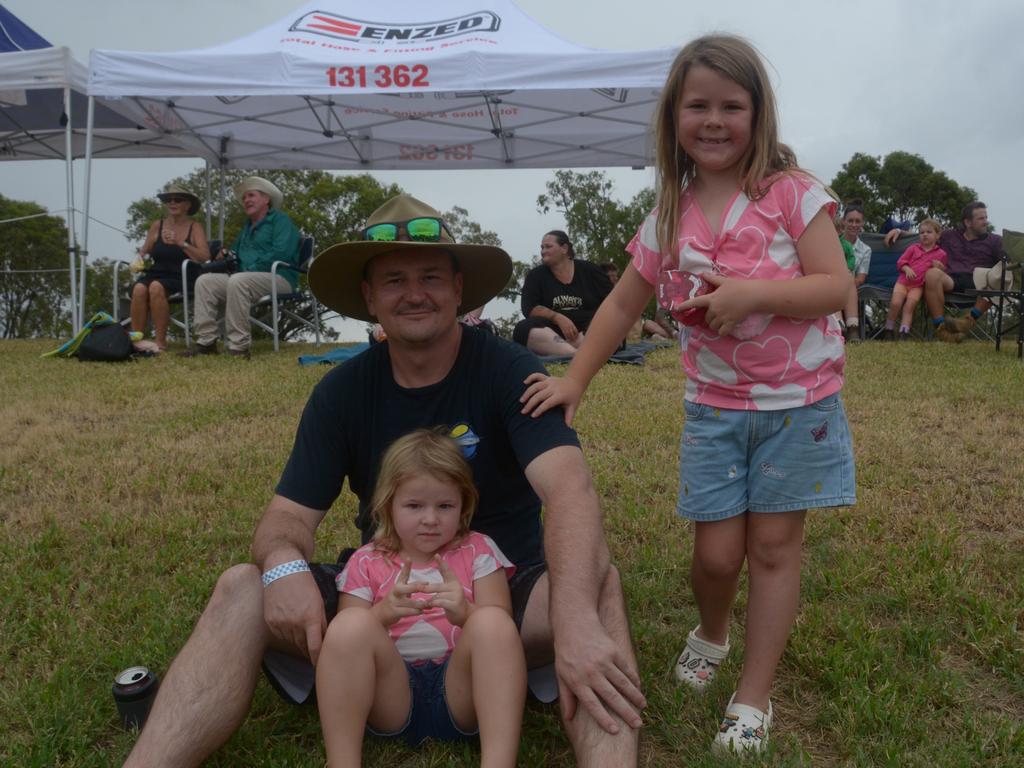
(974, 255)
(409, 275)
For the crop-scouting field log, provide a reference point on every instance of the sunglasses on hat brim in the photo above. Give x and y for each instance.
(423, 229)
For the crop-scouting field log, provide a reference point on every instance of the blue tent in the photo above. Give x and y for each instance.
(15, 35)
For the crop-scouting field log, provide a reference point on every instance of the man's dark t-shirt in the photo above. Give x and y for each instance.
(357, 410)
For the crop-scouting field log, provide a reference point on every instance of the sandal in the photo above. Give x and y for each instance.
(743, 729)
(697, 664)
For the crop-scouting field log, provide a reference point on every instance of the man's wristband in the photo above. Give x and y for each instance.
(284, 569)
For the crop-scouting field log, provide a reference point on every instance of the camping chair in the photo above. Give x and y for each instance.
(190, 271)
(1013, 261)
(278, 302)
(875, 294)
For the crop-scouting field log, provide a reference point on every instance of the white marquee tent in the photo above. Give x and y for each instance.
(402, 84)
(361, 84)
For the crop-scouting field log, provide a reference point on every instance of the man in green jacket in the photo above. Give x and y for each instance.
(268, 236)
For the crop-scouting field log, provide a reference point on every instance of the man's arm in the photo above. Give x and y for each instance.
(286, 240)
(292, 606)
(591, 668)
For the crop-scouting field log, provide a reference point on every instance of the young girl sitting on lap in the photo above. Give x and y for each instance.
(742, 250)
(423, 645)
(915, 261)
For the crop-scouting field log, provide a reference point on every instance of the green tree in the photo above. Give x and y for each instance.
(902, 186)
(34, 282)
(465, 230)
(599, 225)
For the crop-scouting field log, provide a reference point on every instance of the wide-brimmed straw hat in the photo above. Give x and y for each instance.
(176, 190)
(336, 275)
(260, 185)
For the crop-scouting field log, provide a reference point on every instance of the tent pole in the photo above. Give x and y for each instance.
(70, 183)
(222, 160)
(89, 119)
(220, 226)
(209, 208)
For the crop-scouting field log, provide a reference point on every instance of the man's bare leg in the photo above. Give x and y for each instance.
(936, 285)
(594, 746)
(207, 691)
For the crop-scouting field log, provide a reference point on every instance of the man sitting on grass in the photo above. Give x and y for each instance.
(974, 255)
(409, 275)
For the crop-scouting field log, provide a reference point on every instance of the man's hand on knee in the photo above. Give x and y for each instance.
(595, 673)
(294, 612)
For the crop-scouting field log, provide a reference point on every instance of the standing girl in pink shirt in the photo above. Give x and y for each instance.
(915, 261)
(741, 249)
(423, 645)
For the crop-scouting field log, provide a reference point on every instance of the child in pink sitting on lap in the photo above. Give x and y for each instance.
(423, 645)
(912, 265)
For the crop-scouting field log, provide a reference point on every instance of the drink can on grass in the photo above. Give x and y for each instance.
(134, 690)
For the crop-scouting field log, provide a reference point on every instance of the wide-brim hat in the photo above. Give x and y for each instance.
(260, 185)
(336, 275)
(176, 190)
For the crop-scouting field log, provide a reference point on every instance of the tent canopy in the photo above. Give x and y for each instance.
(359, 84)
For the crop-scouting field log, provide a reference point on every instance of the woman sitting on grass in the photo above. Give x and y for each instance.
(423, 645)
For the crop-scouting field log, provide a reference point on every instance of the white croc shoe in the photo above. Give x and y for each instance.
(743, 729)
(697, 664)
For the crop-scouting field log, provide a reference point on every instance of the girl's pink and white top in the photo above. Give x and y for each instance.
(371, 574)
(791, 362)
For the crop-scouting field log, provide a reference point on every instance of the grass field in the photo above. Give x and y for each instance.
(126, 489)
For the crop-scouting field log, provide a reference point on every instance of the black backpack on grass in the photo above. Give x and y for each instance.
(106, 343)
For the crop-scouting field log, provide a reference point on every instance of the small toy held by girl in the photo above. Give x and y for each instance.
(423, 645)
(742, 250)
(912, 265)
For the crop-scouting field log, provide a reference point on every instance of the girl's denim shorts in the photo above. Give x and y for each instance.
(732, 461)
(429, 715)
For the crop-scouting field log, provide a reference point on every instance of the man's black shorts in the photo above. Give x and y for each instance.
(962, 281)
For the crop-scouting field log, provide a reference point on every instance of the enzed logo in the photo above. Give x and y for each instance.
(357, 30)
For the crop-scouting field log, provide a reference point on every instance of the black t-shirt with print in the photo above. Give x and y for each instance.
(578, 300)
(357, 410)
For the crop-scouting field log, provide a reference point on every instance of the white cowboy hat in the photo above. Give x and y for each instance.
(260, 185)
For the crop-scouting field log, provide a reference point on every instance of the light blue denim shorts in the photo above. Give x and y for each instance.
(731, 461)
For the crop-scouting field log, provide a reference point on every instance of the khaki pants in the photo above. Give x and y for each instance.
(236, 293)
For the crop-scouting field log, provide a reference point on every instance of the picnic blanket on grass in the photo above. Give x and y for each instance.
(632, 354)
(336, 355)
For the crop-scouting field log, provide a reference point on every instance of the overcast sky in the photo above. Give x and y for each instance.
(938, 78)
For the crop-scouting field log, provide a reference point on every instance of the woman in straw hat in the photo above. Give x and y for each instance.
(169, 242)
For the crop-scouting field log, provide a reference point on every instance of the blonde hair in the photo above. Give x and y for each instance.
(734, 58)
(930, 223)
(423, 452)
